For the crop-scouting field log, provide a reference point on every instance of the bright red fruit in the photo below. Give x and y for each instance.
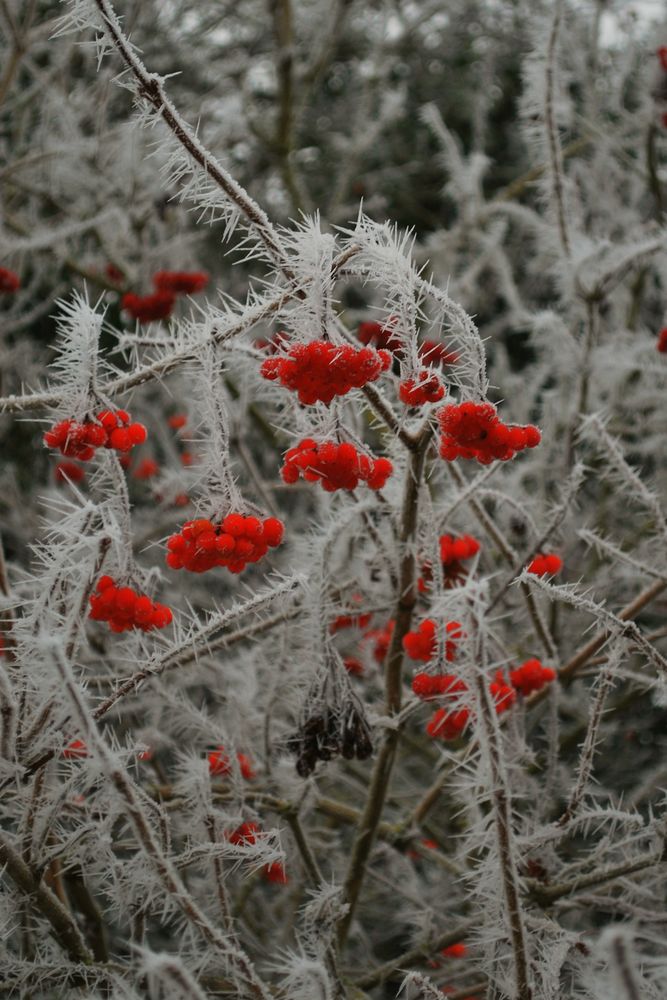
(335, 466)
(475, 431)
(458, 950)
(246, 833)
(124, 609)
(75, 750)
(531, 676)
(380, 637)
(180, 282)
(448, 725)
(433, 685)
(147, 308)
(433, 353)
(425, 388)
(69, 472)
(112, 430)
(236, 541)
(545, 564)
(320, 370)
(503, 695)
(662, 341)
(146, 469)
(381, 336)
(275, 873)
(220, 765)
(422, 644)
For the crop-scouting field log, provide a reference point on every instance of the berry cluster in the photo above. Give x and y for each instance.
(449, 724)
(318, 371)
(180, 282)
(381, 336)
(177, 421)
(219, 764)
(453, 552)
(502, 693)
(65, 472)
(9, 282)
(422, 644)
(328, 733)
(433, 353)
(353, 666)
(446, 724)
(275, 872)
(531, 676)
(545, 564)
(124, 609)
(662, 341)
(76, 750)
(475, 431)
(380, 637)
(236, 541)
(245, 834)
(80, 440)
(426, 388)
(336, 466)
(147, 308)
(360, 620)
(146, 469)
(427, 686)
(458, 950)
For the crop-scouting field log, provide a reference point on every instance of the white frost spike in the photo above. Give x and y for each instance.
(77, 366)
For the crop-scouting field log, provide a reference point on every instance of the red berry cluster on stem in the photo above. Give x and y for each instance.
(450, 723)
(382, 336)
(124, 609)
(112, 430)
(453, 552)
(319, 371)
(219, 764)
(422, 644)
(545, 564)
(531, 676)
(148, 308)
(234, 542)
(475, 431)
(380, 637)
(335, 466)
(425, 388)
(69, 472)
(180, 282)
(427, 686)
(360, 620)
(433, 353)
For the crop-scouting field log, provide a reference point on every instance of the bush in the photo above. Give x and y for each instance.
(415, 750)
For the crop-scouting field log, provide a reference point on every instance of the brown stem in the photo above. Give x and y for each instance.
(406, 599)
(416, 955)
(65, 931)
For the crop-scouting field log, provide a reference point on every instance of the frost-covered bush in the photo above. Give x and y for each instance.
(333, 568)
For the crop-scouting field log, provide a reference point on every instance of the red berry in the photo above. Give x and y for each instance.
(275, 873)
(9, 281)
(148, 308)
(69, 472)
(180, 282)
(219, 763)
